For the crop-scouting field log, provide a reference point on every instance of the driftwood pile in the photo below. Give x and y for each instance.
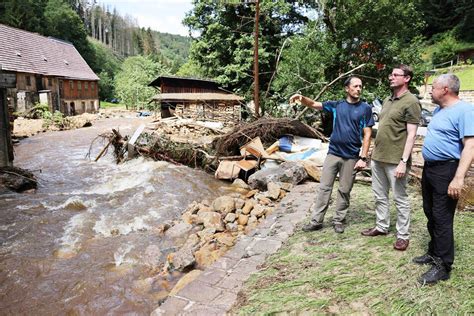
(159, 144)
(268, 129)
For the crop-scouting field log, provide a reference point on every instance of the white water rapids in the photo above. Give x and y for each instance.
(87, 242)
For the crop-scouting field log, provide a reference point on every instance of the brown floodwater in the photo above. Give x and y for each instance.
(87, 241)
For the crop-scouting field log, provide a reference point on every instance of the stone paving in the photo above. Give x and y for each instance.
(214, 291)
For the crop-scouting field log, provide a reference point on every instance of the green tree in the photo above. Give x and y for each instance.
(24, 14)
(379, 34)
(131, 82)
(448, 15)
(106, 66)
(190, 69)
(224, 49)
(64, 23)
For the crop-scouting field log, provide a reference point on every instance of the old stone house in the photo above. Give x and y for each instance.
(48, 71)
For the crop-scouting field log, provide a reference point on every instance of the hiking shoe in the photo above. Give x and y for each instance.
(339, 228)
(312, 227)
(371, 232)
(401, 244)
(437, 272)
(425, 259)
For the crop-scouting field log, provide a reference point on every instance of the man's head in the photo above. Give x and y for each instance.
(445, 87)
(401, 76)
(353, 87)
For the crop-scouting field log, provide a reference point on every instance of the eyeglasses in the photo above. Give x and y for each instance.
(396, 75)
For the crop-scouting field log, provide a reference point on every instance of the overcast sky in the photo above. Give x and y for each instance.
(160, 15)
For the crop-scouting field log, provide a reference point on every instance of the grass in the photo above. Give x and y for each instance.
(465, 74)
(326, 273)
(106, 105)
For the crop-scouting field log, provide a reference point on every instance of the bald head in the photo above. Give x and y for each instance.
(449, 81)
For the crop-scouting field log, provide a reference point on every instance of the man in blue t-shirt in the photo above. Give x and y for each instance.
(352, 128)
(448, 151)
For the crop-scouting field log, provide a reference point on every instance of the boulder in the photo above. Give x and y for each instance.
(211, 220)
(239, 183)
(273, 190)
(226, 239)
(179, 230)
(208, 254)
(249, 204)
(230, 217)
(257, 211)
(251, 193)
(223, 204)
(232, 227)
(184, 257)
(313, 169)
(289, 171)
(242, 219)
(206, 233)
(239, 203)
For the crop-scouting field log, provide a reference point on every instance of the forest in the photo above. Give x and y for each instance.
(303, 45)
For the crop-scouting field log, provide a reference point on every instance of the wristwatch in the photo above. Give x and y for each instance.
(404, 160)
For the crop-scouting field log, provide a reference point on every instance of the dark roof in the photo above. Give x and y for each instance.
(157, 82)
(22, 51)
(183, 97)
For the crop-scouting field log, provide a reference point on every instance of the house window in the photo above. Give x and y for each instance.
(86, 86)
(92, 86)
(28, 80)
(79, 86)
(71, 85)
(50, 82)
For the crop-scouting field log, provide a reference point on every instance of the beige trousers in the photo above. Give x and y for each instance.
(332, 166)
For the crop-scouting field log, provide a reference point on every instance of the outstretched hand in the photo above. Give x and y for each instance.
(296, 98)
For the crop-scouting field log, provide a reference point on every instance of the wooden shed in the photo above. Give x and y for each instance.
(197, 98)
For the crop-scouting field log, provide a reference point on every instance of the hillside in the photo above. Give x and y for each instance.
(174, 48)
(465, 74)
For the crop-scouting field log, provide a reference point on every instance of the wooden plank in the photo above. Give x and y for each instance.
(7, 80)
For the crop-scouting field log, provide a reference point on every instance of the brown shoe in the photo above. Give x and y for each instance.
(401, 244)
(371, 232)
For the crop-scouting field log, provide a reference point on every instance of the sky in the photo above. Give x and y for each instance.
(160, 15)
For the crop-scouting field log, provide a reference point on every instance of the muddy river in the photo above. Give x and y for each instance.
(87, 241)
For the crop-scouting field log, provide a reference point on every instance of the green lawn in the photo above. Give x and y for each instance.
(327, 273)
(106, 105)
(465, 74)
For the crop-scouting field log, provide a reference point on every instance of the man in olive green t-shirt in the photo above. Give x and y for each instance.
(399, 118)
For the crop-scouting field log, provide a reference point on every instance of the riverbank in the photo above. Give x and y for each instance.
(23, 127)
(280, 269)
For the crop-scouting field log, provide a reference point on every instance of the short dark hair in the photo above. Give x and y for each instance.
(347, 82)
(407, 70)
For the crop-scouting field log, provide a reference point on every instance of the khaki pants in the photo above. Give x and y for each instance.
(332, 166)
(383, 179)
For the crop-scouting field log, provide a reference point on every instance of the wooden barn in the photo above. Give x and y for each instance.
(197, 98)
(48, 71)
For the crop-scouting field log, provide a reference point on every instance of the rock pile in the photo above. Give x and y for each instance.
(213, 227)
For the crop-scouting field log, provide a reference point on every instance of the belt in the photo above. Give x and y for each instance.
(440, 162)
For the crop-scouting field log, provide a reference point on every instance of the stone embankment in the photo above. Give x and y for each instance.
(213, 290)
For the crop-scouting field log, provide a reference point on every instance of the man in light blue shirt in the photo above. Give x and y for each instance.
(448, 151)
